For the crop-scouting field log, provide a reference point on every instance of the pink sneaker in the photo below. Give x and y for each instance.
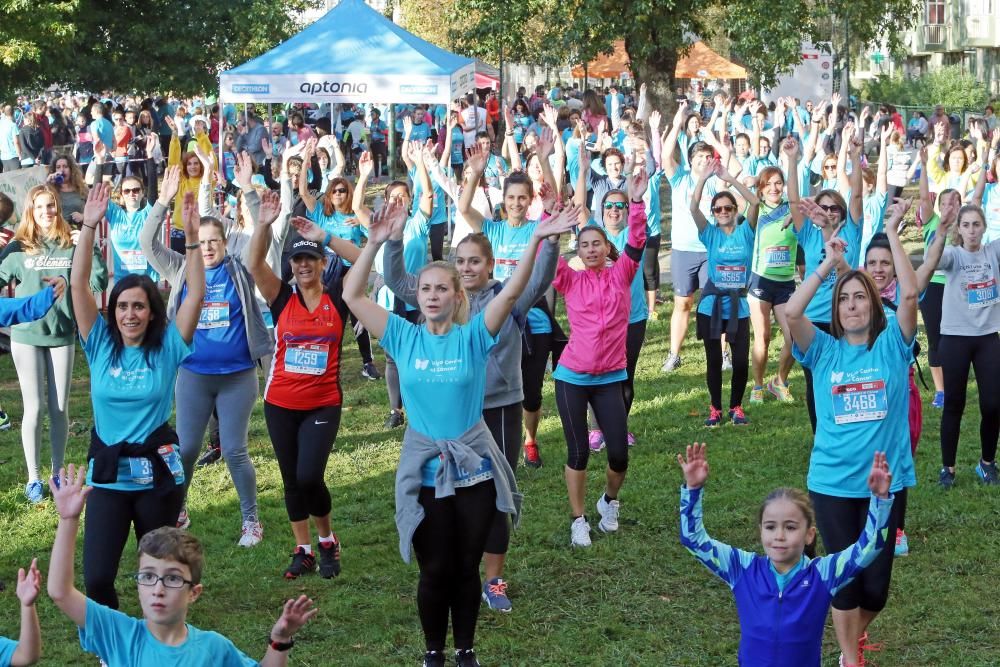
(596, 440)
(631, 439)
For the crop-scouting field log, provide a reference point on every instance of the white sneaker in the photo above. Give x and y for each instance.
(609, 515)
(253, 533)
(183, 519)
(580, 533)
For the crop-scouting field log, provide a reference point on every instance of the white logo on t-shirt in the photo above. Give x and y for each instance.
(421, 364)
(836, 377)
(115, 371)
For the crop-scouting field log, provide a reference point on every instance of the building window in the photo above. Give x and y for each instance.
(935, 12)
(976, 7)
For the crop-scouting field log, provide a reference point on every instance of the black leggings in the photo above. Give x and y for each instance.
(651, 263)
(841, 522)
(449, 544)
(533, 369)
(110, 515)
(810, 399)
(364, 343)
(739, 346)
(958, 354)
(930, 311)
(504, 423)
(302, 441)
(609, 409)
(634, 338)
(436, 235)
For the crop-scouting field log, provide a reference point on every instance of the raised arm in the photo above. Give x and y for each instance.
(365, 167)
(426, 203)
(475, 164)
(264, 277)
(695, 205)
(932, 257)
(843, 182)
(856, 203)
(790, 148)
(308, 229)
(655, 143)
(70, 496)
(390, 219)
(546, 145)
(795, 310)
(882, 179)
(189, 311)
(84, 306)
(753, 202)
(906, 278)
(29, 642)
(926, 210)
(670, 144)
(499, 309)
(163, 259)
(307, 196)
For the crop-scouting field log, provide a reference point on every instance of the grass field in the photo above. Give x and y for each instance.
(636, 598)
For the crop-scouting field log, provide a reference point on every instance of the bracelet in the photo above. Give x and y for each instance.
(88, 226)
(280, 646)
(640, 203)
(329, 236)
(192, 246)
(817, 274)
(509, 134)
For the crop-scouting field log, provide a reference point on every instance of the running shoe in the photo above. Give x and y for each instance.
(532, 458)
(596, 440)
(183, 519)
(434, 659)
(727, 362)
(466, 658)
(394, 420)
(33, 491)
(864, 646)
(672, 363)
(609, 514)
(757, 395)
(860, 662)
(987, 473)
(946, 479)
(329, 558)
(938, 401)
(4, 421)
(714, 417)
(495, 595)
(212, 455)
(737, 416)
(580, 532)
(302, 563)
(369, 371)
(252, 534)
(631, 439)
(780, 391)
(902, 544)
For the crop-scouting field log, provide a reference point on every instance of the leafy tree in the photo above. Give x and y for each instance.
(949, 86)
(29, 32)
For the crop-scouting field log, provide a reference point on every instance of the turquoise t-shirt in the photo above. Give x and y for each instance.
(862, 405)
(509, 243)
(457, 146)
(122, 640)
(7, 649)
(813, 245)
(683, 231)
(132, 399)
(874, 221)
(415, 235)
(442, 378)
(124, 228)
(991, 207)
(638, 308)
(336, 224)
(652, 201)
(220, 341)
(439, 214)
(496, 169)
(729, 257)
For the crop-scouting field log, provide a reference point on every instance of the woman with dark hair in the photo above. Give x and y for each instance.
(133, 354)
(65, 175)
(43, 247)
(594, 113)
(860, 374)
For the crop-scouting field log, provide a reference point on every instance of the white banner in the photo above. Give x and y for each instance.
(346, 88)
(15, 184)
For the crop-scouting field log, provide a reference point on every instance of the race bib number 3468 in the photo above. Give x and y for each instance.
(859, 402)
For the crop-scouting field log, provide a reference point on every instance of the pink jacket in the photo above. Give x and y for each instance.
(597, 305)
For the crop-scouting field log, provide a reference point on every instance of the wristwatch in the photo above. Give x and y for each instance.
(280, 646)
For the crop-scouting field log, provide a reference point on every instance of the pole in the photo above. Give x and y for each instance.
(391, 123)
(586, 76)
(847, 61)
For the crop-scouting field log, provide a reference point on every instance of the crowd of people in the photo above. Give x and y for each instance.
(241, 243)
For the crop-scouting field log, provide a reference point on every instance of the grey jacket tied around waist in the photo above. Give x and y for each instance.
(466, 452)
(732, 317)
(504, 385)
(172, 266)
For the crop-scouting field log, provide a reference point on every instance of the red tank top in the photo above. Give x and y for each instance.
(305, 369)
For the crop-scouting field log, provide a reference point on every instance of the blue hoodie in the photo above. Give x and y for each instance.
(782, 617)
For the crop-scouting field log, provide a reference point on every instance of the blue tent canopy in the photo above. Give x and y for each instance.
(351, 54)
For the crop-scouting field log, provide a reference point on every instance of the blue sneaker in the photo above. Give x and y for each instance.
(495, 595)
(938, 401)
(987, 473)
(902, 544)
(33, 491)
(946, 479)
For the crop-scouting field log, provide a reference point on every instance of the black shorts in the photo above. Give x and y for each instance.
(774, 292)
(688, 270)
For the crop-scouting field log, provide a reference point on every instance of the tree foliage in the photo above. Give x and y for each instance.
(949, 86)
(140, 45)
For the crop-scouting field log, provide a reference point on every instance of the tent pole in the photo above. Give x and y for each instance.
(391, 123)
(222, 132)
(586, 77)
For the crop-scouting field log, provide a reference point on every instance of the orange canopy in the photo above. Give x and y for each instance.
(701, 62)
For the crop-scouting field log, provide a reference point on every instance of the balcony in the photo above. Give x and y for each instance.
(936, 36)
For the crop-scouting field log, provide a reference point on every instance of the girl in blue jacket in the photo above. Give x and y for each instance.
(783, 597)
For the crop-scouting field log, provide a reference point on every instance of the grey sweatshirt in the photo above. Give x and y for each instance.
(466, 452)
(171, 265)
(504, 385)
(965, 311)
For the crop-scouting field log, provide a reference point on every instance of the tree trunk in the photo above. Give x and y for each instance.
(657, 72)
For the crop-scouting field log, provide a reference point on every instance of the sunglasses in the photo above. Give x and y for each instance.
(723, 208)
(131, 191)
(620, 205)
(829, 167)
(830, 208)
(340, 191)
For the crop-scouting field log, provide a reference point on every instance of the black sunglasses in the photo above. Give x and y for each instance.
(830, 208)
(608, 205)
(340, 191)
(723, 208)
(131, 191)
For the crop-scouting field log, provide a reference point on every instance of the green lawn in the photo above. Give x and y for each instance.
(633, 598)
